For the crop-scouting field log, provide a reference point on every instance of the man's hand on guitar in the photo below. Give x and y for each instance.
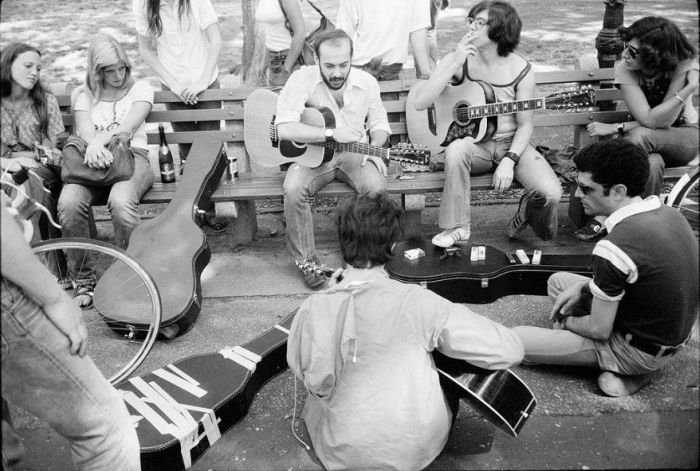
(503, 176)
(346, 135)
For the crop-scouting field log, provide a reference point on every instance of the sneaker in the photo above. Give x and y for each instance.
(615, 385)
(591, 232)
(518, 222)
(313, 277)
(450, 236)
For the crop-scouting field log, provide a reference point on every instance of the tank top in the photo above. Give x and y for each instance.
(507, 123)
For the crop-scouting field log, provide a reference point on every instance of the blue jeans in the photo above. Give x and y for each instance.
(563, 347)
(301, 184)
(122, 200)
(40, 375)
(464, 158)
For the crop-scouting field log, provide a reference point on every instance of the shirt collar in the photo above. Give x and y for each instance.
(648, 204)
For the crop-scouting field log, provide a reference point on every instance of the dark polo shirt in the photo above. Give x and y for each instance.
(649, 263)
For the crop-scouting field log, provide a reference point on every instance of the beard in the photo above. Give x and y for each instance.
(335, 82)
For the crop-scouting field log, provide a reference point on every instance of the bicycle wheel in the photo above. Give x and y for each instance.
(684, 197)
(124, 319)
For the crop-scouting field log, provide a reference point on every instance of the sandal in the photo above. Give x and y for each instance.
(84, 293)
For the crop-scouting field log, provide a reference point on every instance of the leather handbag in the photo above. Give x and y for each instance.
(75, 170)
(307, 52)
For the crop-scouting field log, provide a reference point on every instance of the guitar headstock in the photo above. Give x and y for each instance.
(581, 98)
(411, 153)
(309, 266)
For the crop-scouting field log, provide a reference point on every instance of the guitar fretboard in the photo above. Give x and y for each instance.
(494, 109)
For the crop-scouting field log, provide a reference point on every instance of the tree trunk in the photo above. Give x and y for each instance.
(254, 67)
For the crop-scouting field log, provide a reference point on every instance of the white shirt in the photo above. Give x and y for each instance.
(362, 349)
(382, 27)
(107, 115)
(270, 17)
(305, 87)
(183, 46)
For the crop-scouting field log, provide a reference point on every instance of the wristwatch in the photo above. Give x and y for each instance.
(621, 129)
(329, 134)
(512, 156)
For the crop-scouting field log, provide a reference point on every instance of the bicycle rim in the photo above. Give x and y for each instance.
(124, 319)
(684, 197)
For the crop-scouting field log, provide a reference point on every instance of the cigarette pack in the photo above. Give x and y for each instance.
(413, 254)
(522, 256)
(536, 257)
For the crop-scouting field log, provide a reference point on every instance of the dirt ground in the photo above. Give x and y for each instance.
(555, 33)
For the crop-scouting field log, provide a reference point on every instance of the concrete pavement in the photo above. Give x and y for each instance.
(248, 289)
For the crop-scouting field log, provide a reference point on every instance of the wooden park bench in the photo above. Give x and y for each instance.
(236, 198)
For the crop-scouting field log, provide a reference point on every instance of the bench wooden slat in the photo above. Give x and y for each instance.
(171, 116)
(228, 135)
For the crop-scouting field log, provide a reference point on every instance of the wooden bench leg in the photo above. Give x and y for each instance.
(244, 224)
(413, 207)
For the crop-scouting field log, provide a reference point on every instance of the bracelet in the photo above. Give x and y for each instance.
(678, 97)
(512, 156)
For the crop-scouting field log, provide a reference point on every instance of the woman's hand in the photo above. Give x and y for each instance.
(97, 155)
(503, 176)
(18, 160)
(601, 129)
(189, 94)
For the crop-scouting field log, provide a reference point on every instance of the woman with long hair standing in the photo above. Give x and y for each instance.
(110, 107)
(29, 117)
(181, 41)
(285, 32)
(657, 77)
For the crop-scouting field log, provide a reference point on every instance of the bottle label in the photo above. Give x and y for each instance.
(167, 172)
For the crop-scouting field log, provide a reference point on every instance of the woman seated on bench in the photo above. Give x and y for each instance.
(29, 117)
(111, 105)
(657, 76)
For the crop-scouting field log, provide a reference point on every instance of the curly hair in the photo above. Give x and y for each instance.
(368, 227)
(504, 24)
(615, 162)
(37, 94)
(662, 45)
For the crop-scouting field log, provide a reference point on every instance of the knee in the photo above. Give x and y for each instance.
(70, 204)
(640, 136)
(656, 164)
(123, 208)
(459, 153)
(294, 188)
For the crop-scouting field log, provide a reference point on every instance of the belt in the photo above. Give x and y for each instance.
(652, 348)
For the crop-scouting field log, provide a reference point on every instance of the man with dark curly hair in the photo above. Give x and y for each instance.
(363, 350)
(639, 308)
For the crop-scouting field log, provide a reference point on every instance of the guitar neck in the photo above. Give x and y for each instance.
(355, 147)
(495, 109)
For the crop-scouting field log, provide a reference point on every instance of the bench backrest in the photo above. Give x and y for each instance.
(394, 98)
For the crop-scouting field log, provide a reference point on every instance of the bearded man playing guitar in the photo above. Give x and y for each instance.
(485, 56)
(353, 97)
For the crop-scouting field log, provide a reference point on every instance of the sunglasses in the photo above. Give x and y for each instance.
(633, 51)
(479, 22)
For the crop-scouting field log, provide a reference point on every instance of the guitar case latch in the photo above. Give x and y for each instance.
(484, 282)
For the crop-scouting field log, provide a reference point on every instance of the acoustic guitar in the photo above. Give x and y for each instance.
(265, 147)
(471, 110)
(172, 247)
(455, 276)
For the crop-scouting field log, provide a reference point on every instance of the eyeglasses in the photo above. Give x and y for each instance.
(479, 22)
(633, 51)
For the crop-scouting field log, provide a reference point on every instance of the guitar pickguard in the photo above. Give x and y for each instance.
(456, 131)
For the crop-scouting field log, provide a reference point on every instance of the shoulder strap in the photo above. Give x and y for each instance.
(521, 75)
(318, 10)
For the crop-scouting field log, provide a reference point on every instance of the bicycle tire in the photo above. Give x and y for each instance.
(684, 197)
(123, 321)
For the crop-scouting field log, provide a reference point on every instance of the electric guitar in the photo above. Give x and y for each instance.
(471, 110)
(500, 395)
(264, 146)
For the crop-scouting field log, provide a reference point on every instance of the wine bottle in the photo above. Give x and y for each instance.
(165, 158)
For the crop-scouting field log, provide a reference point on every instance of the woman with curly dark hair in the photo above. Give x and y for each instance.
(29, 119)
(657, 76)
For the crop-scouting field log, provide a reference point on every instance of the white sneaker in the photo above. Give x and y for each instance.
(450, 236)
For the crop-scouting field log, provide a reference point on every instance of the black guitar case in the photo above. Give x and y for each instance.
(186, 406)
(457, 278)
